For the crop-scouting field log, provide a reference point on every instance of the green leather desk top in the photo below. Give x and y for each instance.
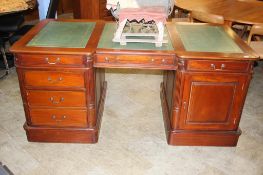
(64, 35)
(198, 41)
(107, 43)
(202, 38)
(195, 38)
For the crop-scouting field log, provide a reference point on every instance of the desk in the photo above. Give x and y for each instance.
(63, 85)
(248, 12)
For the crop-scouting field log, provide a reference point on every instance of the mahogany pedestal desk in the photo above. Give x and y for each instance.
(60, 66)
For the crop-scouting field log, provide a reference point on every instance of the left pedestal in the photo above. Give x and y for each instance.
(63, 97)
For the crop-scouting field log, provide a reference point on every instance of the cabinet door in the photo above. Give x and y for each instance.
(212, 101)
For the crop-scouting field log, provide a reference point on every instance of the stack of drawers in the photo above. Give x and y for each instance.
(56, 96)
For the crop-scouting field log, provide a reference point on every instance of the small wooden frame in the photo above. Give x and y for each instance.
(122, 38)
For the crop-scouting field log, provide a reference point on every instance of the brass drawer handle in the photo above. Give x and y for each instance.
(223, 66)
(54, 117)
(52, 99)
(54, 81)
(57, 61)
(106, 59)
(164, 61)
(213, 66)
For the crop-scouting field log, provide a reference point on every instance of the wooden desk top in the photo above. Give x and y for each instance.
(229, 47)
(25, 44)
(248, 12)
(208, 41)
(63, 35)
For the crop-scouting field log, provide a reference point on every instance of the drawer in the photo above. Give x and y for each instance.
(136, 60)
(50, 60)
(204, 65)
(54, 79)
(58, 118)
(56, 98)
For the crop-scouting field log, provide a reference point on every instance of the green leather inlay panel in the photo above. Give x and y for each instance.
(63, 34)
(201, 38)
(108, 33)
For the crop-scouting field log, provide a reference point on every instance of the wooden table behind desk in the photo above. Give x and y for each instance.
(249, 12)
(91, 9)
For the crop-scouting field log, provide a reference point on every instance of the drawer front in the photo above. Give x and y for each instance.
(54, 79)
(56, 98)
(58, 118)
(203, 65)
(159, 62)
(50, 60)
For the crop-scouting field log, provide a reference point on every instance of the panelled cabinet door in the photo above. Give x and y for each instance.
(212, 101)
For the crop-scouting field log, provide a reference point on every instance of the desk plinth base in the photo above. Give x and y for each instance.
(61, 135)
(203, 138)
(195, 138)
(68, 135)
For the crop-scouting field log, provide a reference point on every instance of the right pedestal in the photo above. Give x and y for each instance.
(202, 102)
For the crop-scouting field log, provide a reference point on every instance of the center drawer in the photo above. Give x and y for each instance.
(54, 79)
(56, 98)
(58, 118)
(137, 61)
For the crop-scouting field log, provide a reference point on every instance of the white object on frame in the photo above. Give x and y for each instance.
(149, 14)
